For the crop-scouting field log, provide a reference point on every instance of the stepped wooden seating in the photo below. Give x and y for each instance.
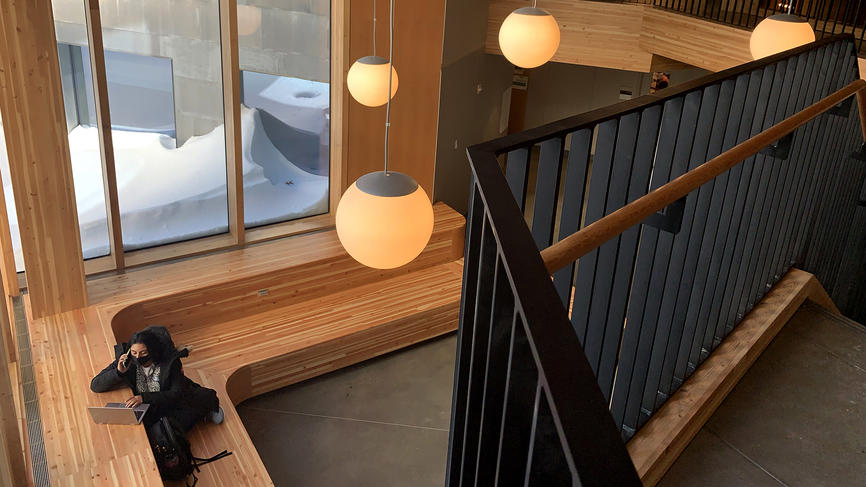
(255, 319)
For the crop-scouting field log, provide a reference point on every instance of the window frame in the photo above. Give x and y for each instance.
(238, 236)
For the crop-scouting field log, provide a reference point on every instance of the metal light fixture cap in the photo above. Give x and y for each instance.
(372, 60)
(390, 184)
(787, 18)
(531, 11)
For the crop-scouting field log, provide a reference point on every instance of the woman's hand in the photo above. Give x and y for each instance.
(123, 363)
(133, 401)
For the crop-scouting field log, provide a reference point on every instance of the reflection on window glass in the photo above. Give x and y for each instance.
(285, 73)
(10, 202)
(72, 50)
(165, 91)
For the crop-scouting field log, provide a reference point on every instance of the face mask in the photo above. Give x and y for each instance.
(143, 361)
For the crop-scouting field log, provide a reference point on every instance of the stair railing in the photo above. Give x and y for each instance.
(555, 373)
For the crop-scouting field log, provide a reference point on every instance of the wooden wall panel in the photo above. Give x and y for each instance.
(34, 121)
(418, 30)
(592, 33)
(701, 43)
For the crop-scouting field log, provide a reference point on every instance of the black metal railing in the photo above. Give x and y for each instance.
(828, 17)
(554, 374)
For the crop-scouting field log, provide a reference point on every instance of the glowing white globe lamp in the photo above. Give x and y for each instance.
(249, 19)
(384, 220)
(529, 37)
(779, 33)
(368, 81)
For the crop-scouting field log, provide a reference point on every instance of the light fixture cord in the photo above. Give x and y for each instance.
(390, 76)
(374, 27)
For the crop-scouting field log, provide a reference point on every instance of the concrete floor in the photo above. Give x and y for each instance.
(380, 423)
(797, 418)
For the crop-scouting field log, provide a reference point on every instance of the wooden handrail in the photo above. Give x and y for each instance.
(592, 236)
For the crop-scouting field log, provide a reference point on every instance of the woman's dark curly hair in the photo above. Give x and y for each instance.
(149, 340)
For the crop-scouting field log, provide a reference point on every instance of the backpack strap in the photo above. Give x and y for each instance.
(202, 461)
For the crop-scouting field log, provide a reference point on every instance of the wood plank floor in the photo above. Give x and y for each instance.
(239, 357)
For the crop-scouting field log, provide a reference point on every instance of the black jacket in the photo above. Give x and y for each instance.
(175, 389)
(171, 381)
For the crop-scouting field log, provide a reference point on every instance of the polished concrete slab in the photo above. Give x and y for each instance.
(797, 418)
(380, 423)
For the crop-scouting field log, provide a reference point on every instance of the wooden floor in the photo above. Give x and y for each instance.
(321, 312)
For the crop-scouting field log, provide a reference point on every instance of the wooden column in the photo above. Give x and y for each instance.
(31, 100)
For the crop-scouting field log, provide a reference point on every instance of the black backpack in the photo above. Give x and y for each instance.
(172, 452)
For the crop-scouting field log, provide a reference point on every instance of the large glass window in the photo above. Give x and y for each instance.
(168, 132)
(285, 114)
(10, 202)
(81, 124)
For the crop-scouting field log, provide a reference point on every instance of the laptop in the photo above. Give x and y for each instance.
(118, 413)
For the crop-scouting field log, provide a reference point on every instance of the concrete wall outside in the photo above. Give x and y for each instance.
(293, 40)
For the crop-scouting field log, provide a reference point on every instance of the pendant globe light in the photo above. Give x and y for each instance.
(779, 33)
(370, 77)
(249, 19)
(385, 219)
(529, 37)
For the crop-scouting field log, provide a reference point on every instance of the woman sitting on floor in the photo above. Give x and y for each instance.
(151, 367)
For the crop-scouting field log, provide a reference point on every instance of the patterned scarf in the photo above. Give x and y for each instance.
(147, 383)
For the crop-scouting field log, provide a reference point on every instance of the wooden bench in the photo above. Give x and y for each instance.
(256, 319)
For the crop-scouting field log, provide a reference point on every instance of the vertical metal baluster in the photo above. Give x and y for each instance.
(515, 439)
(598, 188)
(517, 174)
(739, 120)
(686, 246)
(549, 464)
(641, 286)
(815, 132)
(772, 265)
(474, 229)
(498, 339)
(807, 227)
(662, 261)
(733, 252)
(546, 191)
(847, 203)
(602, 338)
(477, 365)
(832, 153)
(644, 151)
(703, 235)
(530, 454)
(758, 215)
(577, 172)
(723, 13)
